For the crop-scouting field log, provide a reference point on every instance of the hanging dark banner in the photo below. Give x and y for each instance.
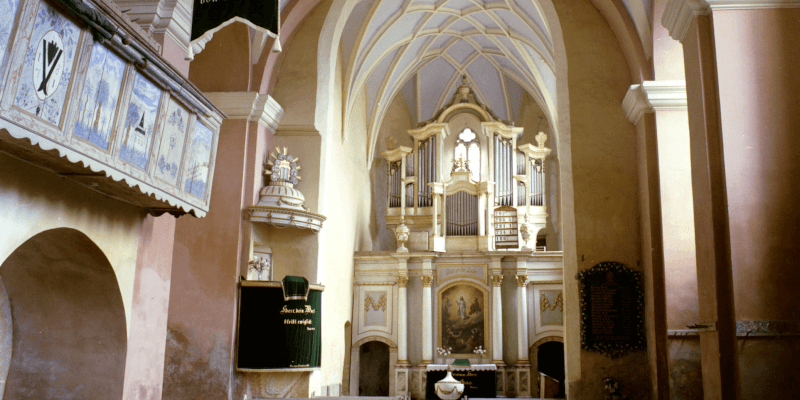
(279, 324)
(209, 15)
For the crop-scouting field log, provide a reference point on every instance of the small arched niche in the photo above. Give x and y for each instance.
(68, 319)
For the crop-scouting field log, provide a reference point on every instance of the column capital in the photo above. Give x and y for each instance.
(522, 280)
(402, 281)
(427, 280)
(653, 96)
(497, 280)
(252, 106)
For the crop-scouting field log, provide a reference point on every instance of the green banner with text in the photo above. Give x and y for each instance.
(279, 325)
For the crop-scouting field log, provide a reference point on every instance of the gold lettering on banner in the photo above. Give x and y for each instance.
(306, 310)
(497, 280)
(381, 304)
(427, 281)
(522, 280)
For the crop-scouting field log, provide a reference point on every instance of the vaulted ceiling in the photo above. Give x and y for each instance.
(421, 48)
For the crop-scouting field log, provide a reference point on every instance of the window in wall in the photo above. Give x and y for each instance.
(468, 149)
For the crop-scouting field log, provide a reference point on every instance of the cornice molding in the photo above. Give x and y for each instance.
(169, 17)
(653, 96)
(678, 14)
(252, 106)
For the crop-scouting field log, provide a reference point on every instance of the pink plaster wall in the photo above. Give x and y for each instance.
(206, 259)
(758, 85)
(757, 57)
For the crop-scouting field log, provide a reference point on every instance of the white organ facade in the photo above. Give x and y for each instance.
(468, 203)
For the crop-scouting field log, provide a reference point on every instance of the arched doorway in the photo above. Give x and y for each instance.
(68, 319)
(550, 362)
(373, 374)
(547, 357)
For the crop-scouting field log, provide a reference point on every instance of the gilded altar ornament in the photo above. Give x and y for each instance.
(380, 305)
(544, 303)
(497, 280)
(427, 280)
(522, 280)
(280, 204)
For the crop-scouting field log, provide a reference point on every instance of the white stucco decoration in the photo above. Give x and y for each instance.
(280, 204)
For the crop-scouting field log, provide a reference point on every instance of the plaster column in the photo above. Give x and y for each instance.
(427, 327)
(522, 321)
(497, 320)
(402, 321)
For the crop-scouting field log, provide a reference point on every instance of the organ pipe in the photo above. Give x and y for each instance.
(462, 214)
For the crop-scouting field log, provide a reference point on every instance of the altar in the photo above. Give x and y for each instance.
(480, 380)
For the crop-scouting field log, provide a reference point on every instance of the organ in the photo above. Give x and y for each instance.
(467, 184)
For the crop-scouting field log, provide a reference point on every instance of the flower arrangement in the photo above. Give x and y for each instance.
(611, 386)
(444, 352)
(480, 351)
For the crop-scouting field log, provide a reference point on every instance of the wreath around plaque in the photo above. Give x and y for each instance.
(614, 276)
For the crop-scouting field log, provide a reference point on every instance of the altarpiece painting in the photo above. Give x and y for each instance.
(463, 322)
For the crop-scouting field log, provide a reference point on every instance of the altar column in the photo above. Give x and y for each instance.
(497, 320)
(402, 320)
(522, 320)
(523, 364)
(427, 327)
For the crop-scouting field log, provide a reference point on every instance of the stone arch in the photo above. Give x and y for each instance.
(375, 338)
(70, 337)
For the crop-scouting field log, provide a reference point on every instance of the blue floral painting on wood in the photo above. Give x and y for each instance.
(48, 65)
(198, 159)
(140, 121)
(172, 142)
(98, 102)
(8, 12)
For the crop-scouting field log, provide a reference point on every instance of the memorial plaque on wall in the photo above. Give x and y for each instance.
(505, 228)
(612, 309)
(279, 325)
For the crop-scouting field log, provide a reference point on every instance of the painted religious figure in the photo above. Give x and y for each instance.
(463, 322)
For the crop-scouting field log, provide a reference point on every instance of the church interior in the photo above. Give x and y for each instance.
(577, 199)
